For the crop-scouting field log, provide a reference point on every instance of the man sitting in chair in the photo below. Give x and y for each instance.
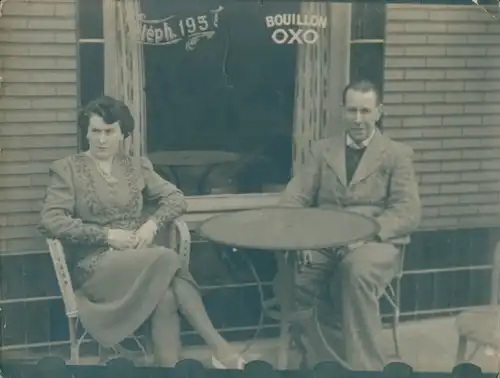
(364, 172)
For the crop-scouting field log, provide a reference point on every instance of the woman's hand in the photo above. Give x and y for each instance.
(146, 234)
(121, 239)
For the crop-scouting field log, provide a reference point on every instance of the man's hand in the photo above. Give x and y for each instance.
(146, 234)
(121, 239)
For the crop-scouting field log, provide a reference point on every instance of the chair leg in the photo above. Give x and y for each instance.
(392, 297)
(74, 345)
(461, 350)
(395, 332)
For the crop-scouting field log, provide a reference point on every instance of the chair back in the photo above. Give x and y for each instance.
(63, 278)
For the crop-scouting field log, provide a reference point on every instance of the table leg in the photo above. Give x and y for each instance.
(287, 305)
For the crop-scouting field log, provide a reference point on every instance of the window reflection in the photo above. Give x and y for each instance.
(232, 93)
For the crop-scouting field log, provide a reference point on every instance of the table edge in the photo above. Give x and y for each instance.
(374, 232)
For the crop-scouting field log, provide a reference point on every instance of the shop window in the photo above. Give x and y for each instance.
(232, 92)
(215, 80)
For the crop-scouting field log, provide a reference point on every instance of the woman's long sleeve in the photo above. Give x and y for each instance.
(171, 201)
(57, 215)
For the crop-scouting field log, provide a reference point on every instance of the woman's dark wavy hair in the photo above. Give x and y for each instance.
(111, 110)
(365, 86)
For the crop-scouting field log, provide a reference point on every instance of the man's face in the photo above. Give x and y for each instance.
(361, 112)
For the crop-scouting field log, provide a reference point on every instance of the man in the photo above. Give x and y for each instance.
(366, 172)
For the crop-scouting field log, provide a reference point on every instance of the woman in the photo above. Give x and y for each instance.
(95, 206)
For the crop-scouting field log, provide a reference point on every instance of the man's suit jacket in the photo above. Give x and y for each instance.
(384, 186)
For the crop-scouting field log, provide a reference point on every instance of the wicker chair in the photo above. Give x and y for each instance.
(179, 239)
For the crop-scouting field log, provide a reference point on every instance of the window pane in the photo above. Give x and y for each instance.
(368, 21)
(233, 92)
(367, 63)
(91, 76)
(90, 19)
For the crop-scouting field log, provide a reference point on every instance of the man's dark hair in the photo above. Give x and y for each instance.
(361, 86)
(111, 110)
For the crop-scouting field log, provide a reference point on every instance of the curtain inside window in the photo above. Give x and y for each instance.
(322, 72)
(124, 64)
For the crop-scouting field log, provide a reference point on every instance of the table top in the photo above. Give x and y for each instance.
(282, 229)
(192, 158)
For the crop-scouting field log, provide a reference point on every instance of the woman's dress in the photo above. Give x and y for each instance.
(116, 290)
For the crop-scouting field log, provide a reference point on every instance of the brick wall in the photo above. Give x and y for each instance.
(442, 96)
(38, 101)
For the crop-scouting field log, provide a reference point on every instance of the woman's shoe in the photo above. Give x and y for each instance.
(219, 365)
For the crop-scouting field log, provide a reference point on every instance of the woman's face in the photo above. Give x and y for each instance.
(105, 140)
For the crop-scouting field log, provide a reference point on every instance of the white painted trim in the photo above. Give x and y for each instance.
(91, 40)
(367, 41)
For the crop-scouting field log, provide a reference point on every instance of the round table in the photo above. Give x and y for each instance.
(284, 229)
(209, 159)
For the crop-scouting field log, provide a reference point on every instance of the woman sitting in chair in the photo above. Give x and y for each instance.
(94, 206)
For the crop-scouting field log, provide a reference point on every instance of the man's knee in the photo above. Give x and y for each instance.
(364, 263)
(354, 270)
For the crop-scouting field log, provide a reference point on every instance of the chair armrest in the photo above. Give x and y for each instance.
(63, 277)
(180, 240)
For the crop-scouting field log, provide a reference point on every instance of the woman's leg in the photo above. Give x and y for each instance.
(191, 305)
(165, 331)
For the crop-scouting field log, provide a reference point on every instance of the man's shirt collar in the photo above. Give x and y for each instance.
(359, 145)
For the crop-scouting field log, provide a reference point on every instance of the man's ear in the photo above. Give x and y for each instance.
(380, 111)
